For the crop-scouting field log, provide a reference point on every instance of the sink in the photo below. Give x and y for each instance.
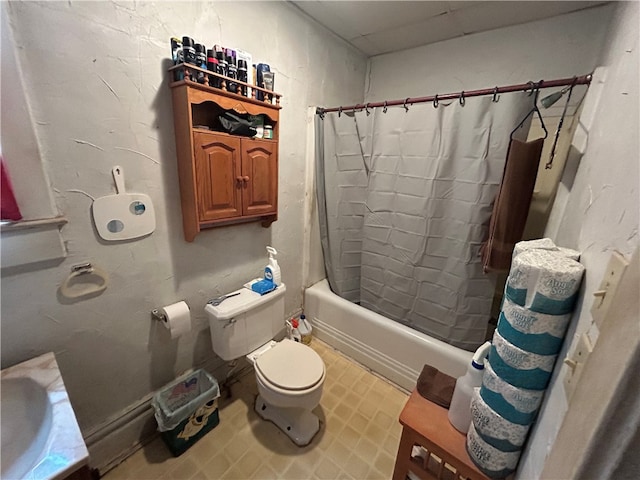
(26, 424)
(40, 435)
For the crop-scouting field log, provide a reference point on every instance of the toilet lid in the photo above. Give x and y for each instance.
(291, 365)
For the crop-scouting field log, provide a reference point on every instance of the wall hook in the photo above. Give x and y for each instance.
(366, 109)
(461, 99)
(496, 97)
(435, 101)
(406, 109)
(384, 109)
(340, 111)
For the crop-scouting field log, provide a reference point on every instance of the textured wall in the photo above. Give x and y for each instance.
(557, 47)
(602, 208)
(95, 76)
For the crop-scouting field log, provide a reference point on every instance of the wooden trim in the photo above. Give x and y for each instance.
(186, 167)
(234, 80)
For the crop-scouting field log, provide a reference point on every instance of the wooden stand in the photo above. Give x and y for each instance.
(426, 425)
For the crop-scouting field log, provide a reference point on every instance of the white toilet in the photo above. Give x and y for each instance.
(289, 375)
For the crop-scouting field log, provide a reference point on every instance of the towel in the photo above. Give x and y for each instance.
(9, 209)
(436, 386)
(511, 206)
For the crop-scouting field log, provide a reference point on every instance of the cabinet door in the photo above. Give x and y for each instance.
(218, 176)
(260, 171)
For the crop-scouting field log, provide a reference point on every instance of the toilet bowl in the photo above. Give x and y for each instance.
(290, 377)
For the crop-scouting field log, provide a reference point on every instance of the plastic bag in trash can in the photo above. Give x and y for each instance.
(178, 400)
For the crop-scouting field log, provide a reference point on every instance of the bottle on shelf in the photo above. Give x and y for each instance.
(460, 408)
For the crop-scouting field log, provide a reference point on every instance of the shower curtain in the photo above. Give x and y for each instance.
(404, 200)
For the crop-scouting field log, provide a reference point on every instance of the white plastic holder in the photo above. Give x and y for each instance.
(84, 279)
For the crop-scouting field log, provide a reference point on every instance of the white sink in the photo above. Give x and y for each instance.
(40, 435)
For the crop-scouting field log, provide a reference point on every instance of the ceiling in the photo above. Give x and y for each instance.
(376, 27)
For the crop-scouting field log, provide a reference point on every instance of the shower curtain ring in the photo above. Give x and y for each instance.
(366, 109)
(406, 109)
(496, 97)
(340, 111)
(532, 87)
(435, 101)
(384, 109)
(461, 99)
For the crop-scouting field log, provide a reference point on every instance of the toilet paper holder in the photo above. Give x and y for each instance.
(159, 315)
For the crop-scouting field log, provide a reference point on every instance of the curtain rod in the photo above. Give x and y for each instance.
(461, 96)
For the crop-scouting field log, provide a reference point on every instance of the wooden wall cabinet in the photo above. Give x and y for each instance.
(224, 179)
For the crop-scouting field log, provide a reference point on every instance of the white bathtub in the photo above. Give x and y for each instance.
(388, 348)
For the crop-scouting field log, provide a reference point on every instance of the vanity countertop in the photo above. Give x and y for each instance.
(60, 450)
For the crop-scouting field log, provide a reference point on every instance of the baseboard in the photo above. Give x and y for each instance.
(377, 361)
(111, 442)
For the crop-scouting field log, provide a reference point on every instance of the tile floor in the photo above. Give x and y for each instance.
(358, 437)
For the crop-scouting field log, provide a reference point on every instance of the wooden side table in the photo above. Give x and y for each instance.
(426, 425)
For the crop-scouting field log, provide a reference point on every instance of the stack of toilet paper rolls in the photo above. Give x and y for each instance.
(540, 294)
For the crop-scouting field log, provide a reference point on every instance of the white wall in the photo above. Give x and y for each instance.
(95, 77)
(558, 47)
(602, 207)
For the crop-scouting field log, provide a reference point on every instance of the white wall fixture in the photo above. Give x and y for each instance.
(123, 216)
(85, 279)
(608, 286)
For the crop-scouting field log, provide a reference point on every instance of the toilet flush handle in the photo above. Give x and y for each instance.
(230, 322)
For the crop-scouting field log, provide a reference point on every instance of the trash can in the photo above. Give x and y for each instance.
(186, 410)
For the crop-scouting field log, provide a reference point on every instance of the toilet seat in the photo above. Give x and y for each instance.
(290, 366)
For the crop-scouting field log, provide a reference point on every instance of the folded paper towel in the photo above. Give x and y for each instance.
(544, 281)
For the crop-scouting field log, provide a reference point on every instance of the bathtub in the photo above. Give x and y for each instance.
(388, 348)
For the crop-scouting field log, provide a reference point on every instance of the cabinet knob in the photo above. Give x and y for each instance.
(245, 179)
(239, 180)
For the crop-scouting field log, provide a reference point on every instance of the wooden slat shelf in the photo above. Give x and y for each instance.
(427, 425)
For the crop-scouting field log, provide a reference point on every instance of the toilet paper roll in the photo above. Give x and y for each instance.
(177, 318)
(493, 428)
(525, 245)
(518, 405)
(544, 281)
(544, 244)
(490, 460)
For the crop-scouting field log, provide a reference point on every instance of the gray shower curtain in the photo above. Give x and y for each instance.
(404, 203)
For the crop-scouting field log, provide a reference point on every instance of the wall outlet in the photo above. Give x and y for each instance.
(605, 293)
(575, 363)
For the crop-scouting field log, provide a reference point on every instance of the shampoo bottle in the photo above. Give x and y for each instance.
(460, 408)
(272, 270)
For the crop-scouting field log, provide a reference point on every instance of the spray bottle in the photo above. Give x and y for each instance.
(460, 408)
(272, 270)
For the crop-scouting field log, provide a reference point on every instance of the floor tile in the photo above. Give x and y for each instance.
(358, 438)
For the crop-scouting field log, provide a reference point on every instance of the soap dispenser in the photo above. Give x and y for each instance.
(272, 270)
(460, 408)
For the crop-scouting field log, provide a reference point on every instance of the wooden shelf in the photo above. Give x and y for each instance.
(224, 179)
(427, 425)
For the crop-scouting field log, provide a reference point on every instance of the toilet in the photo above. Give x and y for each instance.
(289, 375)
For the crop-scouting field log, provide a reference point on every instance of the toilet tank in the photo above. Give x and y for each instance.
(243, 323)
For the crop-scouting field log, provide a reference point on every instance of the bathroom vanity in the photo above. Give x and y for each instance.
(40, 435)
(225, 178)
